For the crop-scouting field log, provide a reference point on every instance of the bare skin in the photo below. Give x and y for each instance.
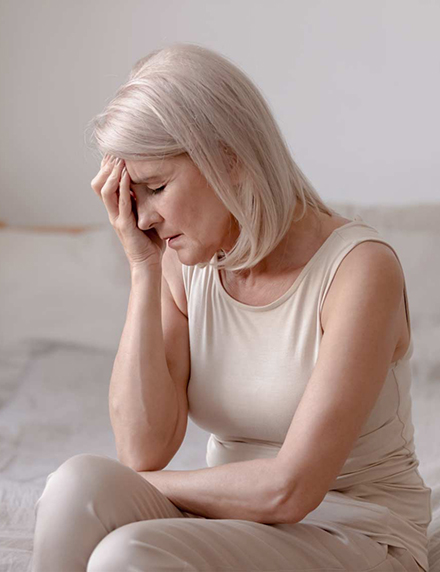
(277, 272)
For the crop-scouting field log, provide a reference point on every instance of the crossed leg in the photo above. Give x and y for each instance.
(97, 515)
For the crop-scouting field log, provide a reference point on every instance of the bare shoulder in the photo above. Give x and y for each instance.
(369, 259)
(370, 255)
(172, 272)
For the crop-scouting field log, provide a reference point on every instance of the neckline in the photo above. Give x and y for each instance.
(296, 282)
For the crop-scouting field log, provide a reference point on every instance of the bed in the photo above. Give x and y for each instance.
(64, 294)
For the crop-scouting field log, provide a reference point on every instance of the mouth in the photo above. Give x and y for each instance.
(173, 238)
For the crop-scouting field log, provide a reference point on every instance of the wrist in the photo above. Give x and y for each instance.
(140, 273)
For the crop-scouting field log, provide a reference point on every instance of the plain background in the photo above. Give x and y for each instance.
(354, 85)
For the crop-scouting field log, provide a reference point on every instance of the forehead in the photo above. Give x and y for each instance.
(149, 169)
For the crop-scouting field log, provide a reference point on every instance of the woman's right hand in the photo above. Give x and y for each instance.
(112, 183)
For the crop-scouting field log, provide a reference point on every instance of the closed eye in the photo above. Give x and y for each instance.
(159, 190)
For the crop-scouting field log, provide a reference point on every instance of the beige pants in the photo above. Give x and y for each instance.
(97, 515)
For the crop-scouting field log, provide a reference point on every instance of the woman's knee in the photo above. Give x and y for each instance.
(81, 474)
(85, 467)
(85, 463)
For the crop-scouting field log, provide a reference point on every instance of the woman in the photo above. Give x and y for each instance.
(291, 324)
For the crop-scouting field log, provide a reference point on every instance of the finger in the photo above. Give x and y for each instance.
(98, 182)
(109, 192)
(110, 189)
(125, 210)
(105, 159)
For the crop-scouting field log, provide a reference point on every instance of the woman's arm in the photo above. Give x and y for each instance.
(147, 396)
(143, 401)
(360, 336)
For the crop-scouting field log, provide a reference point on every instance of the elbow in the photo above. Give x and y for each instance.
(293, 506)
(141, 464)
(145, 467)
(143, 456)
(297, 495)
(284, 509)
(285, 514)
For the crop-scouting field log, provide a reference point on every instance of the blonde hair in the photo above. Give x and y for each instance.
(188, 99)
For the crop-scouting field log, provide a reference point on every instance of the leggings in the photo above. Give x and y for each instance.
(97, 515)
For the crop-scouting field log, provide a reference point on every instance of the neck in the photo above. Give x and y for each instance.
(292, 253)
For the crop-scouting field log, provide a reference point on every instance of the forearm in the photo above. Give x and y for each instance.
(246, 490)
(142, 396)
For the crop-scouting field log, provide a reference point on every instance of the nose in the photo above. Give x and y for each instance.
(147, 217)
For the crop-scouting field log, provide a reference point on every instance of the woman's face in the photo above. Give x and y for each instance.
(174, 198)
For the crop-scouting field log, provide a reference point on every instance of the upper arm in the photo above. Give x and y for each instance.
(176, 338)
(360, 336)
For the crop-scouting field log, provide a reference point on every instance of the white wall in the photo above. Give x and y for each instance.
(353, 83)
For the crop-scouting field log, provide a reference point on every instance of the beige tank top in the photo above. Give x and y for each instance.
(249, 369)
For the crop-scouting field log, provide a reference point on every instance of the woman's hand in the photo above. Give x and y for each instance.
(112, 184)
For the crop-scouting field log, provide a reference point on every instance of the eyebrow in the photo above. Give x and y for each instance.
(146, 179)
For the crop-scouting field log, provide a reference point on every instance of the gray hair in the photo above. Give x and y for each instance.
(188, 99)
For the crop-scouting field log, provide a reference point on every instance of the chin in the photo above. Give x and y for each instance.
(191, 258)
